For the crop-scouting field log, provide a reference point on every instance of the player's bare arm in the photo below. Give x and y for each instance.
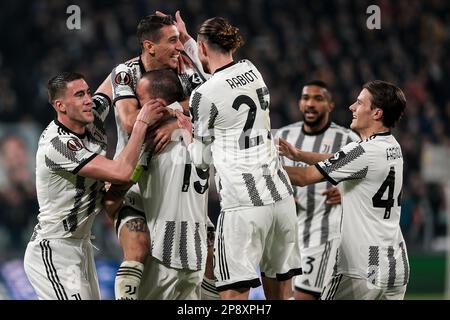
(303, 176)
(289, 151)
(120, 169)
(128, 110)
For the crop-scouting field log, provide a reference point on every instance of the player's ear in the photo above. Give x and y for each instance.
(331, 106)
(378, 113)
(149, 47)
(59, 106)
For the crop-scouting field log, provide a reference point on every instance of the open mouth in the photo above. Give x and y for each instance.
(311, 113)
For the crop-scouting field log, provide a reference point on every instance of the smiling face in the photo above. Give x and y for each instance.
(363, 115)
(76, 103)
(315, 105)
(166, 51)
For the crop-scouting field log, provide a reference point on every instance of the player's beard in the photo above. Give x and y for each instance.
(314, 123)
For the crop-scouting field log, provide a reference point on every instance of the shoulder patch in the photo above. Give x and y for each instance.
(122, 78)
(74, 145)
(335, 158)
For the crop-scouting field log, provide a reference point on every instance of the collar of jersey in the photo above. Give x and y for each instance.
(386, 133)
(141, 65)
(318, 132)
(225, 66)
(59, 124)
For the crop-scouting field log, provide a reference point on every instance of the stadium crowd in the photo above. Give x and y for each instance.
(286, 39)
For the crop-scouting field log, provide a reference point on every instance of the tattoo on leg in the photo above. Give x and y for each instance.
(138, 225)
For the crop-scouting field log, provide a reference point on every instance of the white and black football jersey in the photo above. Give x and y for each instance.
(318, 222)
(231, 112)
(175, 199)
(173, 191)
(372, 244)
(69, 202)
(125, 76)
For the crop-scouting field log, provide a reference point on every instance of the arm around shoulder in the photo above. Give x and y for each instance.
(120, 169)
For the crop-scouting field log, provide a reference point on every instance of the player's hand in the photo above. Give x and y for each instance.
(112, 201)
(162, 136)
(333, 196)
(181, 26)
(183, 63)
(179, 23)
(288, 150)
(185, 124)
(152, 111)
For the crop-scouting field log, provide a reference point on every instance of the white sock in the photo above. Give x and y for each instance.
(209, 291)
(128, 279)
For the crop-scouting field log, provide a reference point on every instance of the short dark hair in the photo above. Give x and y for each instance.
(321, 84)
(150, 26)
(57, 85)
(164, 84)
(389, 98)
(220, 34)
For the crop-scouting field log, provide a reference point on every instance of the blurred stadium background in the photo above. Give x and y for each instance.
(290, 42)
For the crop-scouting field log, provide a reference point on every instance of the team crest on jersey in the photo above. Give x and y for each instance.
(74, 145)
(122, 78)
(337, 156)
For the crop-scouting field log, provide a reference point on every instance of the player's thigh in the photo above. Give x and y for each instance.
(61, 270)
(317, 265)
(281, 257)
(240, 239)
(131, 227)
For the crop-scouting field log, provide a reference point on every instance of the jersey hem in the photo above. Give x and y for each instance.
(254, 283)
(123, 97)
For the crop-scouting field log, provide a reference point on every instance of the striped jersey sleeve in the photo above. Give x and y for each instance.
(123, 82)
(67, 153)
(349, 163)
(101, 106)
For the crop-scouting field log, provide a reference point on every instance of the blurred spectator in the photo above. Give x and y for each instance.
(18, 203)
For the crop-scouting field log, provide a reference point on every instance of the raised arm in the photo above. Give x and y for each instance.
(128, 110)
